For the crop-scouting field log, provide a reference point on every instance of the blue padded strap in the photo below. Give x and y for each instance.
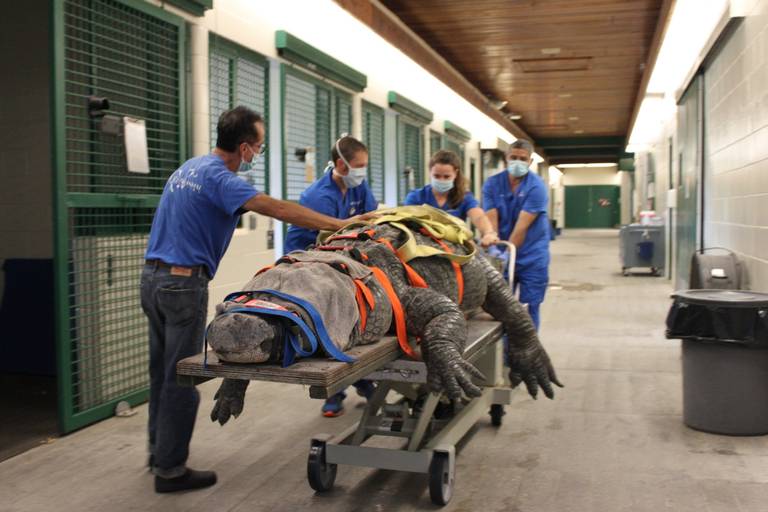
(325, 340)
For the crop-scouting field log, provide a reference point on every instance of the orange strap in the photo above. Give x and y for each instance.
(263, 270)
(363, 296)
(413, 277)
(455, 265)
(397, 310)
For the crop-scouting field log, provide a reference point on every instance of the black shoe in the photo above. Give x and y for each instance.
(190, 480)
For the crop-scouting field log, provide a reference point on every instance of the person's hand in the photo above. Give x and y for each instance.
(489, 239)
(363, 217)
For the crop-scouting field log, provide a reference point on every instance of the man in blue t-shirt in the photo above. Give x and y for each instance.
(516, 203)
(192, 227)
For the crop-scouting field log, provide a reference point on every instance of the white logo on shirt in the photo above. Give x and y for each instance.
(183, 178)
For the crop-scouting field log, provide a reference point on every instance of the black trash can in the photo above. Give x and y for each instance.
(725, 359)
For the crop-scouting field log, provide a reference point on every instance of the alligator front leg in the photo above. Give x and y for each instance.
(440, 324)
(230, 399)
(528, 361)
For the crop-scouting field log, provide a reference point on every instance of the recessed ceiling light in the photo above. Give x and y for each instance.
(550, 51)
(565, 95)
(515, 117)
(573, 118)
(578, 132)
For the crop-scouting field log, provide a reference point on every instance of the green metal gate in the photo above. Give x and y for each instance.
(133, 54)
(373, 137)
(315, 115)
(238, 76)
(410, 145)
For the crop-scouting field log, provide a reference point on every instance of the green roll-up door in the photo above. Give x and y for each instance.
(435, 142)
(238, 76)
(373, 137)
(411, 156)
(323, 129)
(300, 134)
(316, 114)
(133, 54)
(343, 113)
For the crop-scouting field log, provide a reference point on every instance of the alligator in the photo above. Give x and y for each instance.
(432, 295)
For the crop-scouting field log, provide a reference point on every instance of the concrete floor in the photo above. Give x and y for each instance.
(612, 440)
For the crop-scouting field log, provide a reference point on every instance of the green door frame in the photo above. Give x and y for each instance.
(69, 418)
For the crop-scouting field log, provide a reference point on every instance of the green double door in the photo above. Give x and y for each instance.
(592, 206)
(133, 54)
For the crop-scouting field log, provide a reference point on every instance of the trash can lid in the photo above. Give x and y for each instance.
(726, 298)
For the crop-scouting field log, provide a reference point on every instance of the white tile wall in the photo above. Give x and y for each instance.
(26, 226)
(736, 145)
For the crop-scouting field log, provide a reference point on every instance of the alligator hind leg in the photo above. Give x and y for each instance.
(440, 324)
(528, 361)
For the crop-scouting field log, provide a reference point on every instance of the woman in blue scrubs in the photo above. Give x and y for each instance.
(448, 192)
(341, 192)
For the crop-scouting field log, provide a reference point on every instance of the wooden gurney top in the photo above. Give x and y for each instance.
(325, 376)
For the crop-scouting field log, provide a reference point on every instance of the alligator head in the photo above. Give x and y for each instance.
(243, 337)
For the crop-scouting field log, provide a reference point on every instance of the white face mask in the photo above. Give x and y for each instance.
(442, 186)
(356, 175)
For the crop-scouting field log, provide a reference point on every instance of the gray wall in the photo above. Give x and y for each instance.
(736, 146)
(26, 227)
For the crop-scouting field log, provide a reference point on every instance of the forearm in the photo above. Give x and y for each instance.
(493, 218)
(293, 213)
(518, 237)
(481, 222)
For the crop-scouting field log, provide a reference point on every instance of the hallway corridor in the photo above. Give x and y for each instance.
(612, 440)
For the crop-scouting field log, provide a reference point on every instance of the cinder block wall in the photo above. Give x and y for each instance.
(736, 146)
(26, 226)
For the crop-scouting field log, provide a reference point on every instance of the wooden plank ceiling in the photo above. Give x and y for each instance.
(571, 68)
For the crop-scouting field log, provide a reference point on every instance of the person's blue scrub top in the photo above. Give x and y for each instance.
(424, 195)
(531, 197)
(325, 196)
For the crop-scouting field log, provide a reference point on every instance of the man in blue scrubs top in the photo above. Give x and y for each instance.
(448, 192)
(191, 230)
(341, 192)
(516, 203)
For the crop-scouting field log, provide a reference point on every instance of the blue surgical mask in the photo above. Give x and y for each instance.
(517, 168)
(246, 166)
(442, 186)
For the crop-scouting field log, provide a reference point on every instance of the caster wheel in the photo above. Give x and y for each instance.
(497, 413)
(624, 272)
(320, 474)
(440, 479)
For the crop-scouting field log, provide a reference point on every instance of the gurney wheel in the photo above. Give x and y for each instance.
(440, 479)
(320, 474)
(497, 413)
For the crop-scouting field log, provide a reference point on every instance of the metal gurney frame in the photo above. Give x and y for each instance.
(429, 441)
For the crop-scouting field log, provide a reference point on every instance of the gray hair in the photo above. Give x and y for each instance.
(521, 144)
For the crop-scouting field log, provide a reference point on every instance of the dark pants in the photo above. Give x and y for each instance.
(176, 307)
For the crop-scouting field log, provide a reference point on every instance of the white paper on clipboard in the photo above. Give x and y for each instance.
(135, 138)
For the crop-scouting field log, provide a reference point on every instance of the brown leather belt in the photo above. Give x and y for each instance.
(179, 270)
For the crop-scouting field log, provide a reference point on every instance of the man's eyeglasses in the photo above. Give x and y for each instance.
(258, 150)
